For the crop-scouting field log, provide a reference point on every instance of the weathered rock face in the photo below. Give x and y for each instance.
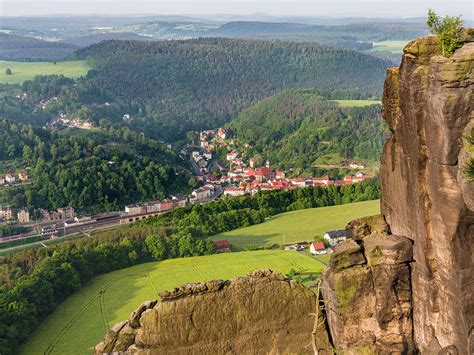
(367, 291)
(428, 103)
(260, 313)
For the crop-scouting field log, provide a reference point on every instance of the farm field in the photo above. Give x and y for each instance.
(83, 319)
(391, 46)
(298, 226)
(28, 70)
(357, 103)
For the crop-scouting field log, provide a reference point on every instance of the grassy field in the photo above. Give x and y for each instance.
(357, 103)
(391, 46)
(299, 226)
(28, 70)
(83, 319)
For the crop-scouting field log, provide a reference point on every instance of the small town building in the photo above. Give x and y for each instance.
(317, 248)
(23, 216)
(66, 213)
(202, 193)
(334, 237)
(263, 173)
(231, 156)
(234, 191)
(133, 209)
(222, 246)
(23, 176)
(6, 212)
(221, 133)
(298, 182)
(10, 178)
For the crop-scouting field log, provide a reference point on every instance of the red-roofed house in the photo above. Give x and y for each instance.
(317, 248)
(263, 173)
(321, 181)
(222, 246)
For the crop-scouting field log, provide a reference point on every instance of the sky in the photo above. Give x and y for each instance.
(332, 8)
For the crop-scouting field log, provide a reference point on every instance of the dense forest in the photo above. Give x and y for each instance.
(35, 281)
(295, 128)
(99, 171)
(14, 47)
(179, 86)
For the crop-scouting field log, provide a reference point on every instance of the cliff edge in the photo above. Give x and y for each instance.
(428, 104)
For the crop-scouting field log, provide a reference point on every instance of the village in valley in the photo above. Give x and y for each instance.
(239, 175)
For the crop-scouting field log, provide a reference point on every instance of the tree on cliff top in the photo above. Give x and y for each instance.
(448, 30)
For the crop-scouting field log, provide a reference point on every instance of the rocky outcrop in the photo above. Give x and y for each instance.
(263, 312)
(428, 104)
(367, 291)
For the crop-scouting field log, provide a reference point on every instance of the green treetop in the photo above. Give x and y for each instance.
(448, 30)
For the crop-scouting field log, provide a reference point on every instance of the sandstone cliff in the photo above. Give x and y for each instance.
(367, 291)
(260, 313)
(428, 104)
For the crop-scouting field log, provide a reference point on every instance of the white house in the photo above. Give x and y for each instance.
(234, 191)
(334, 237)
(202, 193)
(10, 178)
(317, 248)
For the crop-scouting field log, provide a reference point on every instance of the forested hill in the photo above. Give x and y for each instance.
(14, 47)
(187, 85)
(296, 129)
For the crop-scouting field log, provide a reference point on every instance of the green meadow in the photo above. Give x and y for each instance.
(22, 71)
(391, 46)
(357, 103)
(298, 226)
(82, 320)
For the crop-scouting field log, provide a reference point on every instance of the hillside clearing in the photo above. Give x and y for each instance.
(391, 46)
(357, 103)
(298, 226)
(83, 319)
(28, 70)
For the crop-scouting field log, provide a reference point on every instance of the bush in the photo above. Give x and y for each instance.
(8, 71)
(448, 30)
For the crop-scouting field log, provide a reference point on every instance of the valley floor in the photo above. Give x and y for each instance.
(79, 323)
(299, 226)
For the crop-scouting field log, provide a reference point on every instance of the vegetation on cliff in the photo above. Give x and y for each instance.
(448, 30)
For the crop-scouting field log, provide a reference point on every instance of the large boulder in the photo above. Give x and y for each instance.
(263, 312)
(368, 302)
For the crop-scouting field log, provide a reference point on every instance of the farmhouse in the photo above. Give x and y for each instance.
(222, 245)
(317, 248)
(335, 237)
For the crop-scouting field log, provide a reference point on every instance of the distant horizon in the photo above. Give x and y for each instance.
(381, 9)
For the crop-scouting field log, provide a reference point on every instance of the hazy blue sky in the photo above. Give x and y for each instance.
(334, 8)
